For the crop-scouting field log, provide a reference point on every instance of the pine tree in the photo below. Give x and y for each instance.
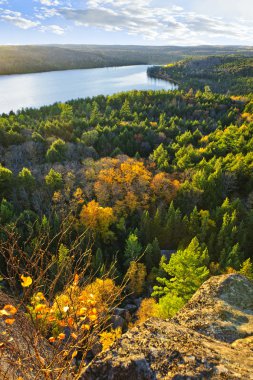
(132, 250)
(125, 111)
(187, 271)
(247, 269)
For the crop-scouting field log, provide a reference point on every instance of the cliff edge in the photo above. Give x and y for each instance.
(210, 338)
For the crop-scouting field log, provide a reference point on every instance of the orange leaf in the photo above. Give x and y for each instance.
(74, 336)
(70, 321)
(51, 339)
(76, 279)
(61, 336)
(10, 321)
(11, 309)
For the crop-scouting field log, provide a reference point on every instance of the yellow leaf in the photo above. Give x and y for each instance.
(26, 281)
(74, 354)
(4, 312)
(39, 307)
(85, 327)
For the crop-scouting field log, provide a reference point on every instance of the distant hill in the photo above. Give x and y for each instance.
(226, 73)
(39, 58)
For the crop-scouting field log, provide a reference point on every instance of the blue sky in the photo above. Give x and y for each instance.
(144, 22)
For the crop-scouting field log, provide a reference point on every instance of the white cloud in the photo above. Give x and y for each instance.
(50, 3)
(44, 13)
(56, 29)
(17, 19)
(172, 24)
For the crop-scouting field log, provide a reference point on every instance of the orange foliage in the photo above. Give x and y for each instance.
(164, 187)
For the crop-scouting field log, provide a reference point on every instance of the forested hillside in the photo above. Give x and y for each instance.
(156, 168)
(114, 196)
(232, 74)
(38, 58)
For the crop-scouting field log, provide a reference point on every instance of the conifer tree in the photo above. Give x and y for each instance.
(186, 271)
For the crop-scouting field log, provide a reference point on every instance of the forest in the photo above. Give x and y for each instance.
(39, 58)
(153, 190)
(223, 74)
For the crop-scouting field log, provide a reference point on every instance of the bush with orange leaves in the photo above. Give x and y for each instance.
(78, 308)
(69, 319)
(73, 323)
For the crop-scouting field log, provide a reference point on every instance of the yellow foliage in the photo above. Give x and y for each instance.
(78, 195)
(125, 186)
(97, 218)
(136, 274)
(26, 281)
(148, 309)
(107, 338)
(230, 270)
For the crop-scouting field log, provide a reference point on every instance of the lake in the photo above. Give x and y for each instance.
(35, 90)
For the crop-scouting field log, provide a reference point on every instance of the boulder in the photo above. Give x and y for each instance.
(164, 350)
(222, 308)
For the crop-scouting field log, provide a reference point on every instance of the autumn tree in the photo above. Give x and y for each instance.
(164, 187)
(136, 274)
(125, 186)
(98, 219)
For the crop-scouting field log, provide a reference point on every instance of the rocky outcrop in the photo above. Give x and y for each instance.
(222, 308)
(194, 345)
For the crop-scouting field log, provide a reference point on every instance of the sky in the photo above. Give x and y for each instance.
(126, 22)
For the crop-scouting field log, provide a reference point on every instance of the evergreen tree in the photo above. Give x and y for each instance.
(186, 270)
(247, 269)
(161, 157)
(132, 249)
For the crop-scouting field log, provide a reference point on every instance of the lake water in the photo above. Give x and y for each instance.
(35, 90)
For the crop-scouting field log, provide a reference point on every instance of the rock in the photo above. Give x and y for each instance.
(134, 368)
(131, 308)
(222, 308)
(161, 349)
(242, 343)
(118, 322)
(194, 345)
(123, 313)
(137, 302)
(22, 352)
